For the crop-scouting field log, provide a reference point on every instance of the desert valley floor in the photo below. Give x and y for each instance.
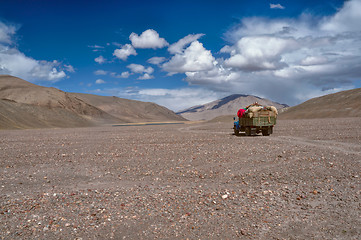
(185, 181)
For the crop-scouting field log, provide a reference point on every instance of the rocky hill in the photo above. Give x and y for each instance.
(341, 104)
(130, 110)
(15, 115)
(26, 105)
(225, 106)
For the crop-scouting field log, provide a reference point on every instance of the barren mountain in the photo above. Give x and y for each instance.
(130, 110)
(337, 105)
(26, 105)
(15, 115)
(225, 106)
(21, 91)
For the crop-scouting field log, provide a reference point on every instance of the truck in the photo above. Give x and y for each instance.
(256, 119)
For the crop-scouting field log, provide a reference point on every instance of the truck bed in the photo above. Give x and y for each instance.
(260, 121)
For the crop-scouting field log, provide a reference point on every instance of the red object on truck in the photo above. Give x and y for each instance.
(241, 112)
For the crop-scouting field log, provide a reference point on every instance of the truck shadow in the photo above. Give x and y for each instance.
(244, 135)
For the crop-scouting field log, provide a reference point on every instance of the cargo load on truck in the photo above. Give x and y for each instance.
(256, 118)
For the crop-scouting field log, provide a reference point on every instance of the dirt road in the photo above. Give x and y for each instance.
(196, 181)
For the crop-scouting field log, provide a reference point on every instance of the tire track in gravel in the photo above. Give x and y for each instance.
(347, 148)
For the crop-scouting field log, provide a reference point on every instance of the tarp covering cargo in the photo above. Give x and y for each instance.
(258, 111)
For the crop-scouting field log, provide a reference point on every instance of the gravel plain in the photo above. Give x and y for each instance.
(186, 181)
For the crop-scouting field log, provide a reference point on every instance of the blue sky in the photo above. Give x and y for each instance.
(184, 53)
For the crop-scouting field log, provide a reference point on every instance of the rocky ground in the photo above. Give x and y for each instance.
(188, 181)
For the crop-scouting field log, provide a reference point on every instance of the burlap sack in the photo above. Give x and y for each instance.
(254, 109)
(274, 109)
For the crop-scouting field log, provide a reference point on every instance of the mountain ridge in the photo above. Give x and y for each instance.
(228, 105)
(126, 109)
(341, 104)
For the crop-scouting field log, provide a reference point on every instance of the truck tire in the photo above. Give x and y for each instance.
(236, 131)
(248, 131)
(266, 131)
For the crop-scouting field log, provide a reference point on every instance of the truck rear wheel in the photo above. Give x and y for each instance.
(266, 131)
(248, 131)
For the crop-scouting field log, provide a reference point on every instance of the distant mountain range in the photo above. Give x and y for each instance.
(225, 106)
(26, 105)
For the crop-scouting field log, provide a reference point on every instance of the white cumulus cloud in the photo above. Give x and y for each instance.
(178, 47)
(347, 19)
(99, 81)
(138, 68)
(277, 6)
(261, 53)
(192, 59)
(124, 52)
(100, 72)
(6, 33)
(100, 60)
(156, 60)
(16, 63)
(146, 76)
(122, 75)
(125, 74)
(69, 68)
(112, 74)
(148, 39)
(314, 60)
